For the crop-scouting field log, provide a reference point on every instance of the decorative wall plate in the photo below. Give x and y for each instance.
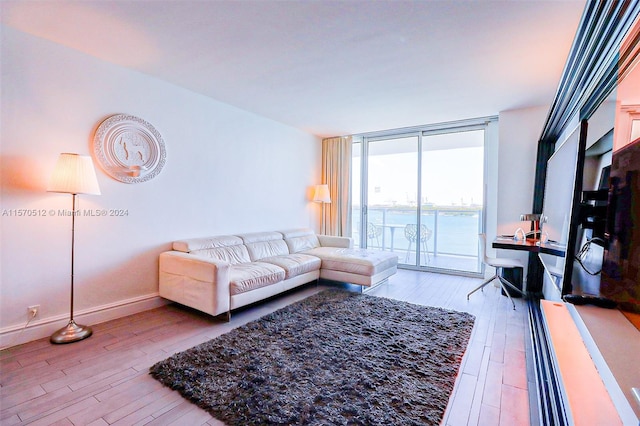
(129, 149)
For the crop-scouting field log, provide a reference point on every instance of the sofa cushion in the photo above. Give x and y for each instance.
(205, 243)
(300, 239)
(355, 261)
(249, 276)
(264, 244)
(231, 254)
(224, 247)
(295, 264)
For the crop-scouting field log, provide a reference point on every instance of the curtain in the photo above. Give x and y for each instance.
(336, 173)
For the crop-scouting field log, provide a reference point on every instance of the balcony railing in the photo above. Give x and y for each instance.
(454, 231)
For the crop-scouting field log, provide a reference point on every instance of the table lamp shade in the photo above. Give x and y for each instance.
(321, 194)
(74, 174)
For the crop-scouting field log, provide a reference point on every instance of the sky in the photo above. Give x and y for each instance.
(452, 170)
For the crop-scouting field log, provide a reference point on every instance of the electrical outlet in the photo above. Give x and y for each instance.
(32, 311)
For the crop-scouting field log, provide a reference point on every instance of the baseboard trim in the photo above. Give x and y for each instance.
(19, 334)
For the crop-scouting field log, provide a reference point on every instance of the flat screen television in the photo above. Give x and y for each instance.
(558, 191)
(621, 267)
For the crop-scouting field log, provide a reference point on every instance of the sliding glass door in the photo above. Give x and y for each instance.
(452, 187)
(392, 192)
(420, 194)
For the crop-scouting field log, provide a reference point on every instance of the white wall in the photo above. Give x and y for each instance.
(518, 143)
(227, 171)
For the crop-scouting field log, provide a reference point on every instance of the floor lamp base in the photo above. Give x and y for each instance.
(71, 333)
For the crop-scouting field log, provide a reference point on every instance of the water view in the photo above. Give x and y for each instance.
(451, 234)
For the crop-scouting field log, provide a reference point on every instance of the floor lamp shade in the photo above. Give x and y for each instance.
(321, 194)
(74, 174)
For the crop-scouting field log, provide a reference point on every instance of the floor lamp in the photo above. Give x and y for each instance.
(321, 195)
(74, 174)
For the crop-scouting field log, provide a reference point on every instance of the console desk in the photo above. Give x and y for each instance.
(530, 245)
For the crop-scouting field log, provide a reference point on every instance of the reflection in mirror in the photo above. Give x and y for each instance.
(589, 250)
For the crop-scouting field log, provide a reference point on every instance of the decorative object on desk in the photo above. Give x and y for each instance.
(544, 238)
(535, 219)
(519, 235)
(499, 264)
(321, 195)
(74, 174)
(129, 149)
(337, 357)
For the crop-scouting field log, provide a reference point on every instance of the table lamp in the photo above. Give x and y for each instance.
(535, 218)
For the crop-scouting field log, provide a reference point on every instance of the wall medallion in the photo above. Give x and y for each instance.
(129, 149)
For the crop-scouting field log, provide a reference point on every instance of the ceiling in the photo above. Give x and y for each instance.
(328, 67)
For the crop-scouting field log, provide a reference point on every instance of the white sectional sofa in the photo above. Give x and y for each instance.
(218, 274)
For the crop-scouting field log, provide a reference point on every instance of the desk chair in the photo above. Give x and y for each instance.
(499, 264)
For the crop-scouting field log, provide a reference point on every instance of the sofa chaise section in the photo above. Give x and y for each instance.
(340, 261)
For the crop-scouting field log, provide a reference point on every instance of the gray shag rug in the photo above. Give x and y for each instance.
(335, 358)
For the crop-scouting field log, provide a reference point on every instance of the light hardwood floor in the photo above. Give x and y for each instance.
(104, 379)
